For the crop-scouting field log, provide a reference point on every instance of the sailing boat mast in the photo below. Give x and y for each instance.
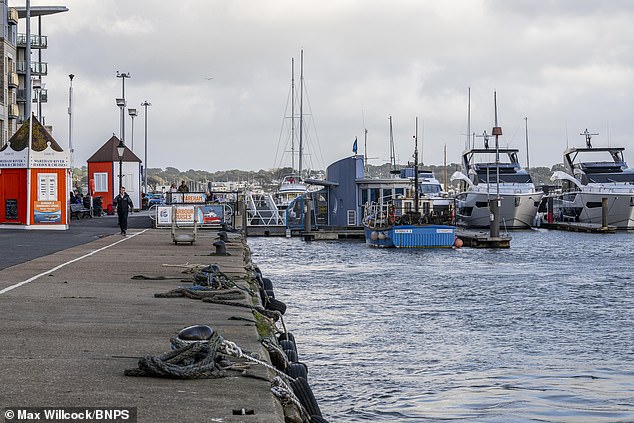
(392, 153)
(416, 170)
(301, 108)
(293, 113)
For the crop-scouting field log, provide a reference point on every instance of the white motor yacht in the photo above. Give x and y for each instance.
(591, 175)
(484, 178)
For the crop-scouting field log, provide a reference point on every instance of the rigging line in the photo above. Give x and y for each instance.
(279, 139)
(312, 121)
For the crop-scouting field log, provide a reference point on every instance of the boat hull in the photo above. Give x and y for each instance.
(411, 236)
(585, 207)
(517, 211)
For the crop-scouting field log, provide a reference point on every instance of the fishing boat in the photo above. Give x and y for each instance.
(404, 221)
(593, 175)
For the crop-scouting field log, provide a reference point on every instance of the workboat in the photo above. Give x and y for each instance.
(592, 176)
(490, 174)
(395, 223)
(407, 222)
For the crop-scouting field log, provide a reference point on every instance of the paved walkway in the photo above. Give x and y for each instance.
(73, 321)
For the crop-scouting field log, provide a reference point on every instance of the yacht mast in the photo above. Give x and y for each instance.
(301, 108)
(416, 171)
(497, 131)
(293, 114)
(392, 153)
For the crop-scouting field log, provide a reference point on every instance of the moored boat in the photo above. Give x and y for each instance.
(593, 175)
(406, 222)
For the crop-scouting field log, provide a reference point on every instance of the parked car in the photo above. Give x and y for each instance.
(156, 200)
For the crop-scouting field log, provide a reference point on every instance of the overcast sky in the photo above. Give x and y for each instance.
(565, 65)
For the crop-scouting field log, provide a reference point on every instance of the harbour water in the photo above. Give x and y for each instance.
(543, 331)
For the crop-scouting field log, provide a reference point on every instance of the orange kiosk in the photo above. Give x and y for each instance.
(34, 180)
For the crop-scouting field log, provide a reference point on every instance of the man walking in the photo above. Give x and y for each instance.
(123, 203)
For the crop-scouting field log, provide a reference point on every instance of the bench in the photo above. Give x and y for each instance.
(78, 211)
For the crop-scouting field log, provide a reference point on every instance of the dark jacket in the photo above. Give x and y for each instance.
(123, 204)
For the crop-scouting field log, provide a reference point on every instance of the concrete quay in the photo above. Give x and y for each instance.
(73, 321)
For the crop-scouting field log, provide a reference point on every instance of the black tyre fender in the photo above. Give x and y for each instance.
(285, 336)
(267, 284)
(275, 305)
(302, 391)
(269, 293)
(291, 355)
(288, 345)
(296, 370)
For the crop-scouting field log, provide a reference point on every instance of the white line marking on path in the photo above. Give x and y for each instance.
(19, 284)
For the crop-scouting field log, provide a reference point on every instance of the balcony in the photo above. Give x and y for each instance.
(37, 68)
(13, 111)
(43, 96)
(21, 96)
(37, 41)
(12, 80)
(12, 16)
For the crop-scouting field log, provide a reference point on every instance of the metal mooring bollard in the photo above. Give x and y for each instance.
(221, 248)
(223, 236)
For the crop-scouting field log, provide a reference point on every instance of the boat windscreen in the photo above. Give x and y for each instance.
(510, 178)
(603, 178)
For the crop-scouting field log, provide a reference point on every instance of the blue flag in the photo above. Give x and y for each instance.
(354, 146)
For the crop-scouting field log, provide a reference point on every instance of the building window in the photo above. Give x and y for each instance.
(47, 187)
(101, 182)
(352, 217)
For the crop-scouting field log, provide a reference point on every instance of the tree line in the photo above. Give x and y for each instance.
(269, 179)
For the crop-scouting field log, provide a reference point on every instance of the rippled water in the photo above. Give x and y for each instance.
(543, 331)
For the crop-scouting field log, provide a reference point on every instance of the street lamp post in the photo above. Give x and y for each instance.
(133, 114)
(145, 104)
(121, 146)
(120, 151)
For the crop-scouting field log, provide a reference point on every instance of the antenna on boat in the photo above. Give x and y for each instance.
(528, 163)
(416, 170)
(588, 137)
(293, 113)
(301, 108)
(484, 136)
(468, 120)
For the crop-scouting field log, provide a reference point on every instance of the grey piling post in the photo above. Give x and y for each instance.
(604, 212)
(494, 206)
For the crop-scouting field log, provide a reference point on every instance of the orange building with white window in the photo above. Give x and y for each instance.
(34, 180)
(103, 173)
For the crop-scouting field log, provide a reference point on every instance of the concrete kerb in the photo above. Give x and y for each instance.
(69, 334)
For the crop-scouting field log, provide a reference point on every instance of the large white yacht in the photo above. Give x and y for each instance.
(519, 200)
(592, 174)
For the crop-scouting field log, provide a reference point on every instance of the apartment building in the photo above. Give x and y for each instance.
(13, 69)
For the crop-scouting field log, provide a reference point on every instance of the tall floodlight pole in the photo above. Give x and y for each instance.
(133, 114)
(70, 122)
(145, 104)
(123, 76)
